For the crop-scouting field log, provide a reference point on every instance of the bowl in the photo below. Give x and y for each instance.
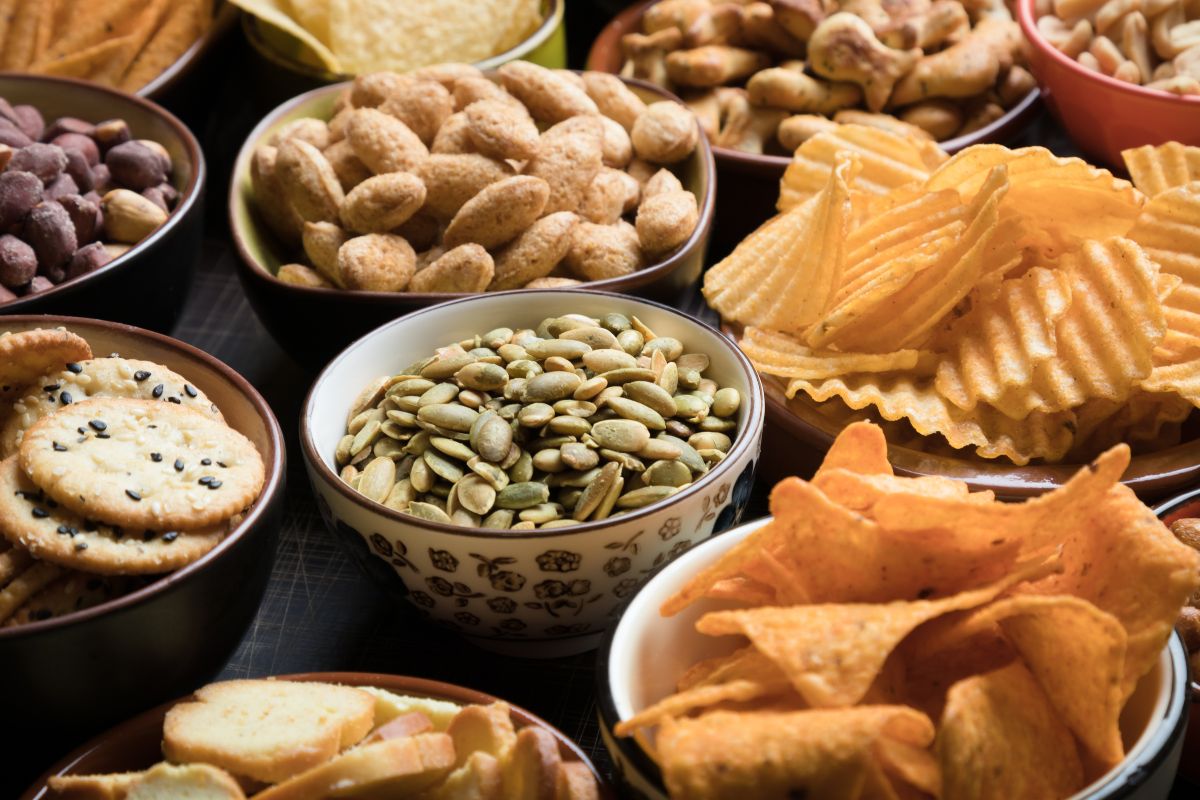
(71, 674)
(137, 743)
(288, 68)
(288, 310)
(750, 181)
(645, 653)
(148, 285)
(1101, 114)
(535, 593)
(180, 74)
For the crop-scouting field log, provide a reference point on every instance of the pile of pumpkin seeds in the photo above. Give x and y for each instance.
(578, 419)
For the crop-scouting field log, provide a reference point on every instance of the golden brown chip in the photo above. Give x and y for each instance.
(1156, 169)
(860, 447)
(184, 24)
(785, 357)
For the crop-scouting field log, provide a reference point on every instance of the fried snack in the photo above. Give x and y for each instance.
(1156, 169)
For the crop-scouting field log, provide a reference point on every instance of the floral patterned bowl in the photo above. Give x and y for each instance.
(532, 593)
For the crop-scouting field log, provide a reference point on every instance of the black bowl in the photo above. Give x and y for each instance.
(148, 285)
(65, 677)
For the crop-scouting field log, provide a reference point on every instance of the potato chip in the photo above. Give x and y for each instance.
(1168, 229)
(999, 739)
(782, 275)
(1144, 419)
(819, 753)
(1156, 169)
(785, 357)
(274, 12)
(889, 161)
(861, 448)
(833, 653)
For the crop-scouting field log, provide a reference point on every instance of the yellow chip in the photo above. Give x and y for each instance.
(1144, 420)
(274, 12)
(784, 357)
(183, 26)
(1168, 229)
(1156, 169)
(782, 275)
(889, 161)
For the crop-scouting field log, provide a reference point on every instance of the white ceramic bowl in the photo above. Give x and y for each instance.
(645, 653)
(534, 593)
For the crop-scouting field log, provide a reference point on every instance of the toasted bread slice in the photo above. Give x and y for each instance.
(267, 730)
(481, 778)
(576, 782)
(531, 772)
(185, 782)
(487, 729)
(391, 768)
(389, 705)
(113, 786)
(401, 726)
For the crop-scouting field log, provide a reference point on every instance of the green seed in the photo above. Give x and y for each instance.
(575, 408)
(542, 513)
(633, 410)
(652, 395)
(570, 426)
(428, 511)
(629, 462)
(573, 479)
(716, 424)
(710, 440)
(606, 360)
(614, 322)
(411, 387)
(501, 518)
(623, 435)
(482, 376)
(687, 454)
(548, 460)
(726, 402)
(579, 456)
(377, 479)
(667, 473)
(475, 494)
(590, 388)
(550, 386)
(618, 377)
(522, 495)
(342, 453)
(562, 348)
(449, 416)
(452, 448)
(670, 347)
(418, 444)
(497, 477)
(640, 498)
(512, 352)
(443, 367)
(631, 342)
(594, 492)
(658, 449)
(690, 407)
(593, 337)
(535, 415)
(401, 495)
(522, 469)
(442, 467)
(496, 338)
(558, 523)
(524, 368)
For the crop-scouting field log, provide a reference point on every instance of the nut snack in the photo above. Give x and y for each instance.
(763, 77)
(73, 196)
(1156, 45)
(445, 180)
(910, 635)
(306, 740)
(120, 44)
(1018, 304)
(577, 420)
(113, 470)
(1188, 531)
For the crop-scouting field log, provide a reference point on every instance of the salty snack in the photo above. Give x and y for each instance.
(1013, 302)
(1156, 45)
(125, 45)
(921, 637)
(73, 196)
(1187, 530)
(443, 180)
(73, 533)
(354, 37)
(309, 740)
(763, 77)
(577, 420)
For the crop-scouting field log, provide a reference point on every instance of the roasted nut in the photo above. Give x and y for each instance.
(48, 230)
(550, 97)
(61, 186)
(382, 202)
(617, 149)
(88, 258)
(498, 213)
(30, 121)
(129, 217)
(662, 181)
(599, 252)
(665, 133)
(101, 179)
(569, 156)
(135, 166)
(797, 92)
(666, 220)
(378, 262)
(372, 89)
(448, 74)
(384, 143)
(421, 230)
(306, 129)
(77, 141)
(844, 48)
(68, 125)
(79, 170)
(422, 105)
(46, 161)
(40, 283)
(164, 157)
(453, 179)
(472, 90)
(454, 136)
(19, 192)
(269, 199)
(614, 99)
(611, 194)
(941, 119)
(18, 262)
(300, 275)
(535, 253)
(348, 167)
(110, 133)
(466, 268)
(496, 129)
(85, 217)
(322, 241)
(307, 180)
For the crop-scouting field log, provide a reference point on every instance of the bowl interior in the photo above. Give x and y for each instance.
(393, 347)
(137, 744)
(649, 652)
(263, 251)
(243, 409)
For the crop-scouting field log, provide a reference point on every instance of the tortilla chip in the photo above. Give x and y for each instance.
(861, 447)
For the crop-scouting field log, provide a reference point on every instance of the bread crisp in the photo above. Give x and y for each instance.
(114, 786)
(532, 770)
(486, 729)
(267, 730)
(389, 705)
(481, 778)
(185, 782)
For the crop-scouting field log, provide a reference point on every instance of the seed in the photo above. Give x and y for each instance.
(557, 364)
(414, 369)
(349, 474)
(658, 363)
(678, 429)
(365, 437)
(562, 348)
(472, 399)
(558, 523)
(614, 322)
(371, 394)
(475, 494)
(542, 513)
(707, 386)
(631, 409)
(689, 378)
(440, 394)
(696, 361)
(716, 424)
(549, 442)
(535, 415)
(442, 466)
(710, 440)
(508, 411)
(405, 418)
(711, 456)
(607, 360)
(355, 425)
(464, 518)
(610, 500)
(570, 426)
(512, 352)
(522, 495)
(514, 389)
(667, 473)
(641, 328)
(500, 518)
(726, 402)
(573, 479)
(342, 453)
(428, 511)
(377, 479)
(495, 476)
(580, 456)
(548, 460)
(452, 448)
(522, 468)
(594, 337)
(687, 454)
(448, 415)
(524, 368)
(690, 407)
(550, 386)
(608, 394)
(401, 495)
(422, 476)
(417, 444)
(652, 395)
(496, 337)
(629, 462)
(409, 403)
(618, 377)
(631, 342)
(404, 467)
(575, 408)
(511, 457)
(659, 449)
(640, 498)
(623, 435)
(493, 438)
(524, 525)
(482, 376)
(410, 387)
(524, 336)
(361, 457)
(388, 447)
(595, 491)
(443, 367)
(590, 388)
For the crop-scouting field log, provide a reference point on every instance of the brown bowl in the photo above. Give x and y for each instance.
(313, 324)
(137, 744)
(749, 181)
(69, 675)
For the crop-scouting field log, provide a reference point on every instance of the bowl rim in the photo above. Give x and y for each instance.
(189, 196)
(275, 463)
(550, 22)
(1020, 114)
(318, 467)
(623, 283)
(421, 687)
(1025, 16)
(1115, 784)
(223, 19)
(1165, 510)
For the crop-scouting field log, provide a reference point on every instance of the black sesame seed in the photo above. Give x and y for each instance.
(191, 390)
(141, 375)
(66, 399)
(222, 465)
(54, 387)
(214, 484)
(80, 546)
(98, 425)
(206, 480)
(174, 400)
(206, 462)
(73, 367)
(179, 465)
(157, 391)
(59, 448)
(156, 457)
(65, 530)
(81, 430)
(40, 513)
(132, 495)
(81, 440)
(103, 436)
(170, 536)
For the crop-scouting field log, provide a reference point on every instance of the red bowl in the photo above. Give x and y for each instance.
(1104, 115)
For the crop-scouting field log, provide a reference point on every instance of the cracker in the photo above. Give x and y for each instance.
(98, 377)
(50, 532)
(72, 592)
(142, 464)
(31, 580)
(27, 355)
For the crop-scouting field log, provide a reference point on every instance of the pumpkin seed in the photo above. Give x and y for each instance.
(495, 476)
(522, 468)
(633, 410)
(515, 388)
(404, 467)
(452, 448)
(342, 453)
(522, 495)
(726, 402)
(610, 500)
(496, 338)
(355, 425)
(554, 442)
(573, 479)
(482, 376)
(349, 474)
(360, 458)
(535, 415)
(575, 408)
(558, 523)
(493, 438)
(472, 399)
(717, 424)
(409, 403)
(365, 437)
(594, 492)
(570, 426)
(440, 394)
(617, 377)
(594, 337)
(368, 398)
(449, 416)
(639, 498)
(642, 328)
(689, 378)
(428, 511)
(401, 495)
(667, 473)
(377, 479)
(678, 429)
(710, 440)
(405, 418)
(418, 444)
(512, 352)
(687, 454)
(524, 525)
(623, 435)
(524, 368)
(442, 466)
(542, 513)
(651, 395)
(629, 462)
(464, 518)
(590, 388)
(569, 349)
(548, 460)
(524, 336)
(608, 359)
(508, 411)
(512, 457)
(557, 364)
(614, 322)
(411, 387)
(659, 449)
(712, 456)
(631, 342)
(579, 456)
(697, 361)
(690, 407)
(445, 366)
(422, 476)
(707, 386)
(475, 494)
(501, 518)
(387, 447)
(550, 386)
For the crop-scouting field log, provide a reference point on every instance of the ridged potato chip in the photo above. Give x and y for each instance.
(784, 357)
(889, 161)
(1168, 229)
(1156, 169)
